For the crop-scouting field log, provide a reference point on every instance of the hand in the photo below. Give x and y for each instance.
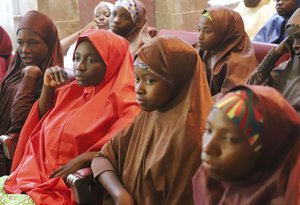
(91, 25)
(55, 76)
(33, 71)
(71, 167)
(124, 199)
(284, 47)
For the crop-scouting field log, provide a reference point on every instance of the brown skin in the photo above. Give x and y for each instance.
(293, 33)
(207, 37)
(31, 47)
(152, 93)
(121, 22)
(251, 3)
(285, 8)
(226, 153)
(89, 70)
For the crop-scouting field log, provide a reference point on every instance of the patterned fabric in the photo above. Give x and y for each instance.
(130, 6)
(138, 62)
(240, 107)
(207, 15)
(13, 199)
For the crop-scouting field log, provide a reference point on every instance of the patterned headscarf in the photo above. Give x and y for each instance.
(206, 14)
(241, 107)
(131, 6)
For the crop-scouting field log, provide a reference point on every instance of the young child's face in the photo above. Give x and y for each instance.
(31, 47)
(207, 36)
(293, 33)
(89, 68)
(121, 22)
(226, 153)
(285, 8)
(152, 93)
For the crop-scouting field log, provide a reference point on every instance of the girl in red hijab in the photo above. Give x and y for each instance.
(5, 52)
(68, 124)
(250, 150)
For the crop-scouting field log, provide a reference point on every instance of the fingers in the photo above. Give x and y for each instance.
(55, 76)
(56, 172)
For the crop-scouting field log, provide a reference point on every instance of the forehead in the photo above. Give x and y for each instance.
(86, 46)
(27, 33)
(204, 21)
(121, 10)
(102, 8)
(219, 120)
(292, 30)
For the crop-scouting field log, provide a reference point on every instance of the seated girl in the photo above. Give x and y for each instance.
(274, 29)
(226, 49)
(5, 52)
(102, 13)
(154, 159)
(249, 150)
(286, 77)
(38, 48)
(130, 21)
(68, 124)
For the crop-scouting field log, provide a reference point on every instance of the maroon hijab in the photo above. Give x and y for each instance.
(276, 179)
(45, 28)
(5, 52)
(233, 59)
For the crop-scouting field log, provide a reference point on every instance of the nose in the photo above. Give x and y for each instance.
(80, 66)
(210, 145)
(25, 48)
(115, 19)
(200, 35)
(296, 44)
(139, 88)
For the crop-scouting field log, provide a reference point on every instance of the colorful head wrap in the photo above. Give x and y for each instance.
(206, 14)
(131, 6)
(138, 62)
(241, 107)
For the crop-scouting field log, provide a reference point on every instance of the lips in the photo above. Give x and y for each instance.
(27, 60)
(79, 78)
(140, 101)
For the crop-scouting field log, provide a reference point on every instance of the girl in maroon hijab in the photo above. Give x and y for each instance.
(5, 52)
(38, 49)
(250, 150)
(225, 48)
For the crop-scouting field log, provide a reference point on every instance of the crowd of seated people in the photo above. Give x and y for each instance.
(157, 120)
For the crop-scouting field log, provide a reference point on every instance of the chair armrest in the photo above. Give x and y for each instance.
(9, 143)
(84, 188)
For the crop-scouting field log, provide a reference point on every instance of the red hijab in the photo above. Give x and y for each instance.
(276, 179)
(82, 120)
(233, 59)
(5, 52)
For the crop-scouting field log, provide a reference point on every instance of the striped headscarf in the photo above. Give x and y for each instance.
(241, 107)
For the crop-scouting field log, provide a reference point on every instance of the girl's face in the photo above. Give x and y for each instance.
(226, 153)
(207, 36)
(293, 33)
(121, 22)
(152, 93)
(89, 68)
(285, 8)
(31, 47)
(102, 17)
